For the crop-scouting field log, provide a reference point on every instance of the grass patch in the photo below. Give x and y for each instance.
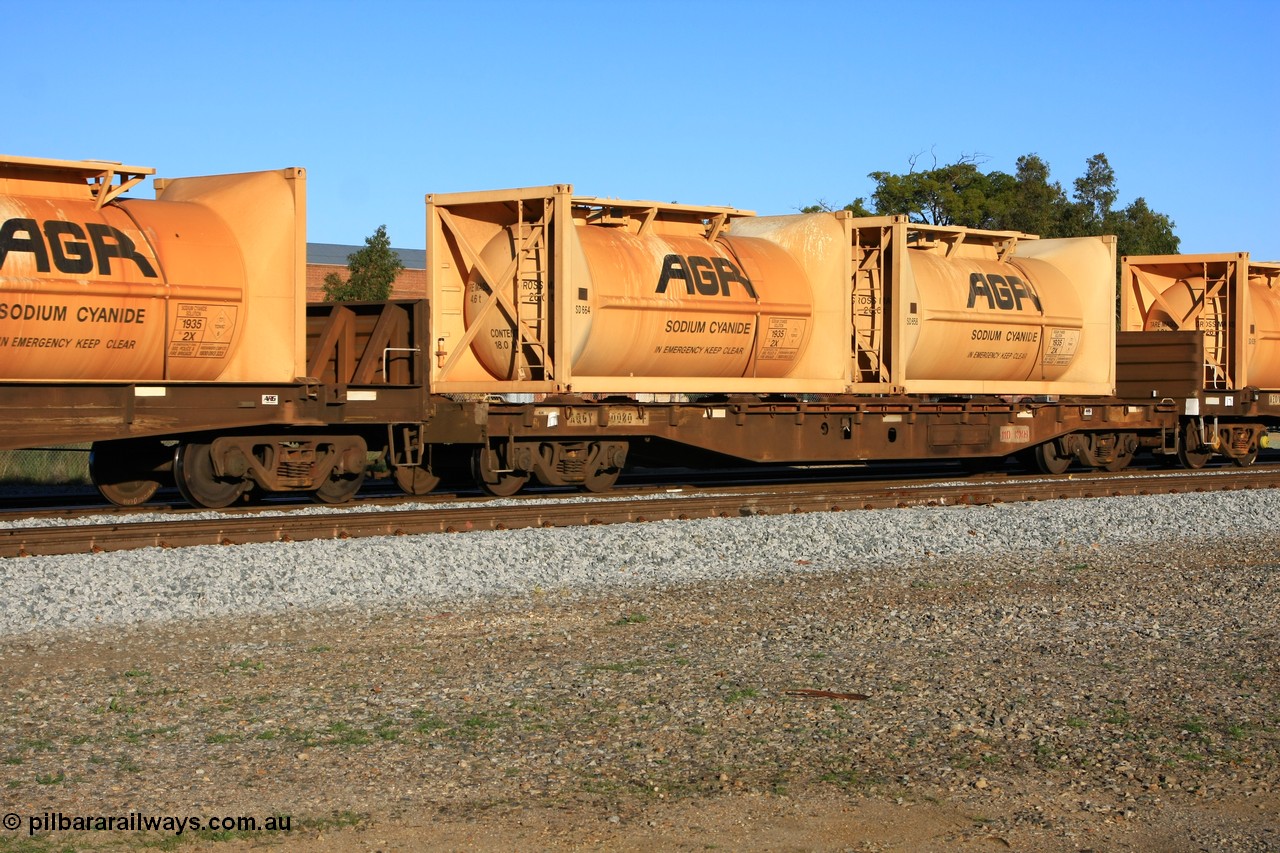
(223, 737)
(302, 737)
(36, 744)
(344, 734)
(427, 722)
(624, 666)
(1045, 758)
(335, 820)
(848, 779)
(115, 706)
(480, 721)
(1117, 716)
(246, 665)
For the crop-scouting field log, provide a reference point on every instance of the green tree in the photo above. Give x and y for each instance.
(1095, 193)
(858, 207)
(951, 194)
(961, 194)
(1030, 202)
(372, 269)
(1141, 231)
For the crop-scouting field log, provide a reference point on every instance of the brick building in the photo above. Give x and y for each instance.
(324, 258)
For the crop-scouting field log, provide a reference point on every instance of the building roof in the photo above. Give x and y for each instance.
(335, 254)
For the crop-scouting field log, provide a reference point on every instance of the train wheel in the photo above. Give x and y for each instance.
(1119, 463)
(1046, 459)
(1246, 460)
(602, 480)
(339, 490)
(416, 481)
(1192, 458)
(502, 484)
(126, 492)
(199, 484)
(1123, 456)
(124, 471)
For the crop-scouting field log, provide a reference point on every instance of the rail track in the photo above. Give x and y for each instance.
(21, 503)
(769, 499)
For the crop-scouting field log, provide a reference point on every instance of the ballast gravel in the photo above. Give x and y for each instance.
(159, 585)
(1061, 676)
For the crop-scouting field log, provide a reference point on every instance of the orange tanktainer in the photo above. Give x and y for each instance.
(948, 310)
(207, 282)
(537, 290)
(1231, 301)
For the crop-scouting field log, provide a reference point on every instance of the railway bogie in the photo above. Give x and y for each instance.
(503, 468)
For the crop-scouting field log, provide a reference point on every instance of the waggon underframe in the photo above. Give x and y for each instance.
(888, 428)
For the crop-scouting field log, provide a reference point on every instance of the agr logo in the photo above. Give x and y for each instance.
(707, 276)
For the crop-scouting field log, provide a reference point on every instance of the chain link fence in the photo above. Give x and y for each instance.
(50, 466)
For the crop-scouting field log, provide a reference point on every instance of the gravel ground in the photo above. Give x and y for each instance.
(155, 585)
(1093, 674)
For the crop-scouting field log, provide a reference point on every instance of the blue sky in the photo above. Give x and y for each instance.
(767, 106)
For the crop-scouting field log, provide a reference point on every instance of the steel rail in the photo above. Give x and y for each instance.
(760, 500)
